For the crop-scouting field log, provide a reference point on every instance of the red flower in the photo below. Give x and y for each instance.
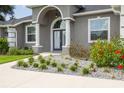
(120, 67)
(117, 51)
(122, 57)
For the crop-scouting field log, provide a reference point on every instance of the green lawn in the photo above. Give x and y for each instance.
(7, 58)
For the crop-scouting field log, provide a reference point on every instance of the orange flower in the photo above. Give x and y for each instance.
(117, 51)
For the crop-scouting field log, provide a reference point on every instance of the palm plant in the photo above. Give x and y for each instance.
(6, 10)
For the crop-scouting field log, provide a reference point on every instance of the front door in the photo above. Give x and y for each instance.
(58, 39)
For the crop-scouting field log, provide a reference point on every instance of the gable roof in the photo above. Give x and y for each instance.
(81, 9)
(15, 22)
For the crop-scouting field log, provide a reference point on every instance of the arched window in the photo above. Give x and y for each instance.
(59, 25)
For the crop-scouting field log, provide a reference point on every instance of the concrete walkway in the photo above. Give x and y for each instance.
(13, 78)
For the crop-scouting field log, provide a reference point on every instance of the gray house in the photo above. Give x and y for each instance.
(53, 27)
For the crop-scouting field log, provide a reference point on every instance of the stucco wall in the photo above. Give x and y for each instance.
(21, 43)
(81, 27)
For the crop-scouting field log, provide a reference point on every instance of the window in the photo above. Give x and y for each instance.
(99, 28)
(30, 34)
(12, 35)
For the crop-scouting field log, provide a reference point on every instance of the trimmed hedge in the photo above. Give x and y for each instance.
(16, 51)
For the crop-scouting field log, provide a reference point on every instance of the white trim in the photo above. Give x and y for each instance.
(26, 41)
(22, 22)
(68, 18)
(51, 32)
(89, 32)
(48, 7)
(93, 12)
(15, 32)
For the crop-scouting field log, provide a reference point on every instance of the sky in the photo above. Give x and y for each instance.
(21, 11)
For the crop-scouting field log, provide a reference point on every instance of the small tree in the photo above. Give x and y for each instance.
(3, 46)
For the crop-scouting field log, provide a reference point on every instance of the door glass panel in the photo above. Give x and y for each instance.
(63, 38)
(57, 40)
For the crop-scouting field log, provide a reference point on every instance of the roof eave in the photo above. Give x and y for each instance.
(32, 6)
(93, 12)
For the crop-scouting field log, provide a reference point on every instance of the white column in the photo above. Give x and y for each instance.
(122, 22)
(37, 34)
(67, 22)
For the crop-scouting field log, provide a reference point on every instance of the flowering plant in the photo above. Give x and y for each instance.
(105, 53)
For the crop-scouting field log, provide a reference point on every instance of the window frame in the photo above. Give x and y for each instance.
(26, 34)
(89, 31)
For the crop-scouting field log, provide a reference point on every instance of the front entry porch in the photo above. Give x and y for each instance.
(52, 31)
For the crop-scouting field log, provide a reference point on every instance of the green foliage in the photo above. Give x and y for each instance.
(73, 68)
(85, 71)
(25, 64)
(60, 69)
(6, 10)
(13, 51)
(103, 53)
(35, 65)
(40, 57)
(63, 65)
(48, 62)
(16, 51)
(3, 46)
(31, 60)
(20, 63)
(42, 61)
(54, 64)
(25, 51)
(92, 67)
(43, 66)
(76, 64)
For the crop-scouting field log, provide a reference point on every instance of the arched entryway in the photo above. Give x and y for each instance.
(58, 34)
(51, 30)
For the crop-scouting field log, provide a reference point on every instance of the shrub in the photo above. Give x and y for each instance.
(31, 60)
(25, 52)
(76, 64)
(40, 57)
(16, 51)
(78, 51)
(92, 67)
(42, 61)
(25, 64)
(35, 65)
(13, 51)
(59, 69)
(54, 64)
(43, 66)
(73, 68)
(3, 46)
(20, 63)
(85, 71)
(48, 62)
(105, 53)
(63, 65)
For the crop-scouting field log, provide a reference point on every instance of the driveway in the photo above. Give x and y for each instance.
(13, 78)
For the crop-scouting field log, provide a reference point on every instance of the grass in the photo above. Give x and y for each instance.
(9, 58)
